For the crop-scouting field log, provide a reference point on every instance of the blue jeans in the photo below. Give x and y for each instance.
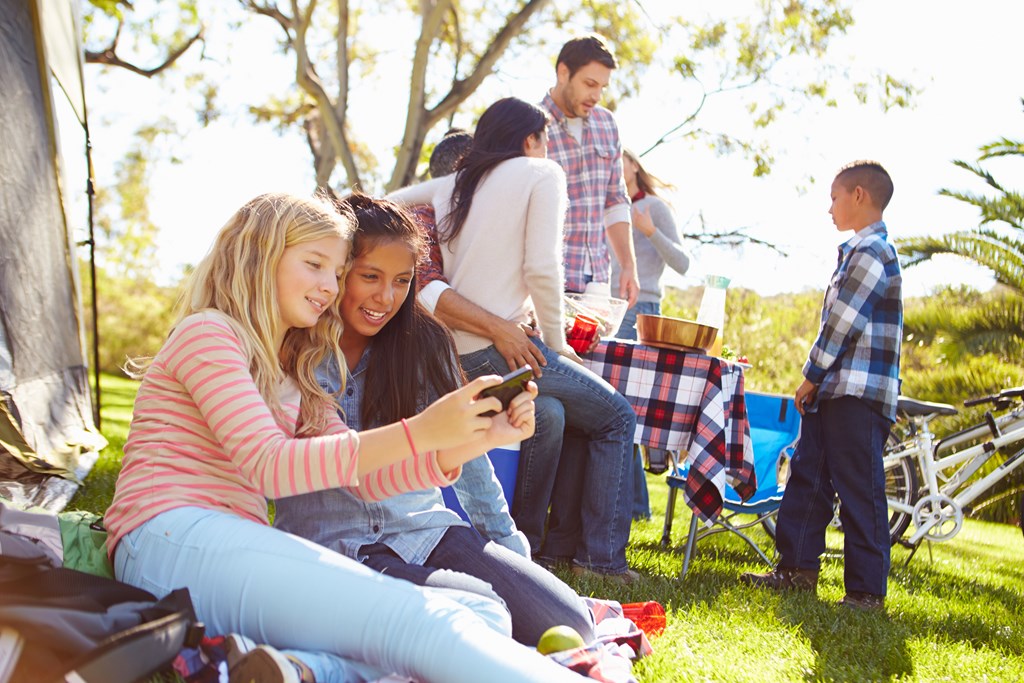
(591, 407)
(346, 621)
(627, 330)
(840, 451)
(464, 560)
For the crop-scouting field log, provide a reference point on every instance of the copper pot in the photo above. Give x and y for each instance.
(674, 333)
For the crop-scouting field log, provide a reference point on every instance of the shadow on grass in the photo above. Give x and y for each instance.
(849, 645)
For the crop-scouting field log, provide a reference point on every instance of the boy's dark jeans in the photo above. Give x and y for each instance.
(840, 451)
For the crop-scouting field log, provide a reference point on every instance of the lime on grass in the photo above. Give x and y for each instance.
(559, 638)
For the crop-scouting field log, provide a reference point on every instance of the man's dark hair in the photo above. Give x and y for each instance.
(449, 152)
(579, 52)
(872, 177)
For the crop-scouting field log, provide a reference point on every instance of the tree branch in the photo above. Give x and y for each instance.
(108, 56)
(306, 77)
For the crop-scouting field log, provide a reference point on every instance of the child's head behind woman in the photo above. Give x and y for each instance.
(413, 354)
(247, 276)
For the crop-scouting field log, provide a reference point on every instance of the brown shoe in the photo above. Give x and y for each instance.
(784, 579)
(868, 602)
(625, 578)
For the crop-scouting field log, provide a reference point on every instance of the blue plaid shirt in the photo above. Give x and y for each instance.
(593, 171)
(857, 352)
(412, 523)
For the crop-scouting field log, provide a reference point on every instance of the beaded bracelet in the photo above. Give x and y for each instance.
(408, 435)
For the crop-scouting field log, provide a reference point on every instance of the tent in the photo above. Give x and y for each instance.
(48, 441)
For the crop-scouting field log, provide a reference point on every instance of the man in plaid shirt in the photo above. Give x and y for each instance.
(584, 139)
(848, 403)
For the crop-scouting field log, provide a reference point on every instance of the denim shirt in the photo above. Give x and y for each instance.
(411, 524)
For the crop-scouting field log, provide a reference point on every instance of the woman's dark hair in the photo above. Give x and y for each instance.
(413, 355)
(500, 134)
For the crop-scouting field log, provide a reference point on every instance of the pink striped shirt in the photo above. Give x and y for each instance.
(202, 435)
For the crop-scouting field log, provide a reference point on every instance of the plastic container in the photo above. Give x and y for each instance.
(712, 309)
(608, 310)
(505, 460)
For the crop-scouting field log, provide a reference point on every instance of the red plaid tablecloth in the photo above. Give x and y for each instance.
(690, 403)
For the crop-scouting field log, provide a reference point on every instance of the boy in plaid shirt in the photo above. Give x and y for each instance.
(848, 403)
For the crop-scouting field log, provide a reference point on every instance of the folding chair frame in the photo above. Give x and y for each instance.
(762, 510)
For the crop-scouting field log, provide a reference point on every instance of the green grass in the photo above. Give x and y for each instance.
(954, 614)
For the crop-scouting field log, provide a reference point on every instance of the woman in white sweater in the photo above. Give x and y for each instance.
(499, 220)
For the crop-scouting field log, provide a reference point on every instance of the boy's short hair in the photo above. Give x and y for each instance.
(449, 152)
(579, 52)
(872, 177)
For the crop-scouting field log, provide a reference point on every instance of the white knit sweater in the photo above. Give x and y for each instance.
(508, 257)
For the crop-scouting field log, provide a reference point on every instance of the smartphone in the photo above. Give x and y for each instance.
(512, 384)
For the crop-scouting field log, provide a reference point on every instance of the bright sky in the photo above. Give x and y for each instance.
(964, 55)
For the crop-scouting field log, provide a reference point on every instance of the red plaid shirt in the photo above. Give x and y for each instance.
(593, 170)
(432, 268)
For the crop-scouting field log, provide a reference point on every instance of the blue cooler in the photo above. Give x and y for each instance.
(505, 461)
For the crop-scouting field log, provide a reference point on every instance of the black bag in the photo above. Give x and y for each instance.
(59, 621)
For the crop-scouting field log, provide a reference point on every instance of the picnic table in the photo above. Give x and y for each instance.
(689, 403)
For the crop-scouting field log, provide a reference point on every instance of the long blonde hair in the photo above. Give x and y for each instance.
(238, 278)
(646, 181)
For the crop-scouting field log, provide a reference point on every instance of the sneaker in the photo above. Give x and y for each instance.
(868, 602)
(264, 664)
(784, 579)
(626, 578)
(251, 663)
(552, 563)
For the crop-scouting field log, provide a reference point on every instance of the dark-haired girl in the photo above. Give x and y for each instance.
(500, 220)
(399, 358)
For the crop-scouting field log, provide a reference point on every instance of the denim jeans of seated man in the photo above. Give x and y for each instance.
(592, 407)
(641, 498)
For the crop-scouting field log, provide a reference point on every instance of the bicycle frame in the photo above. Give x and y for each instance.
(946, 499)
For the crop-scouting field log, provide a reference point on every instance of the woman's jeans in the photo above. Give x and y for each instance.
(326, 609)
(466, 561)
(627, 330)
(572, 397)
(840, 451)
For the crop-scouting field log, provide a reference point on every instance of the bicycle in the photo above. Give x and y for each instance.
(937, 508)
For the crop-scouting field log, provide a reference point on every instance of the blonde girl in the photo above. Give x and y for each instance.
(229, 414)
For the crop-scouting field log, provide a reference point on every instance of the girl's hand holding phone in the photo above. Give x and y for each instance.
(457, 417)
(516, 423)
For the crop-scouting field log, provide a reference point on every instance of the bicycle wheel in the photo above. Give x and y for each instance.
(901, 486)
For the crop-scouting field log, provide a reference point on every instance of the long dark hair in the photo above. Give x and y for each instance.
(413, 355)
(500, 134)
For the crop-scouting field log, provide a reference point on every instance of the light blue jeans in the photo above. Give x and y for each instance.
(347, 622)
(627, 330)
(583, 403)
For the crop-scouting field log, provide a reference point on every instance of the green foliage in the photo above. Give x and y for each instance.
(134, 311)
(964, 344)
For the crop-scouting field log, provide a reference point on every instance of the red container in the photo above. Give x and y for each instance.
(582, 333)
(648, 616)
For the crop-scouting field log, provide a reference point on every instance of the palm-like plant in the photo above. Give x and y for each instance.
(988, 330)
(996, 244)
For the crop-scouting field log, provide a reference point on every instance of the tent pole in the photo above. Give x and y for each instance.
(91, 193)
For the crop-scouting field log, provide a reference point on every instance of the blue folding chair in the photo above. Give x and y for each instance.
(774, 431)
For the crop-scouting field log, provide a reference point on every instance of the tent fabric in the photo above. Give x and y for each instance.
(43, 376)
